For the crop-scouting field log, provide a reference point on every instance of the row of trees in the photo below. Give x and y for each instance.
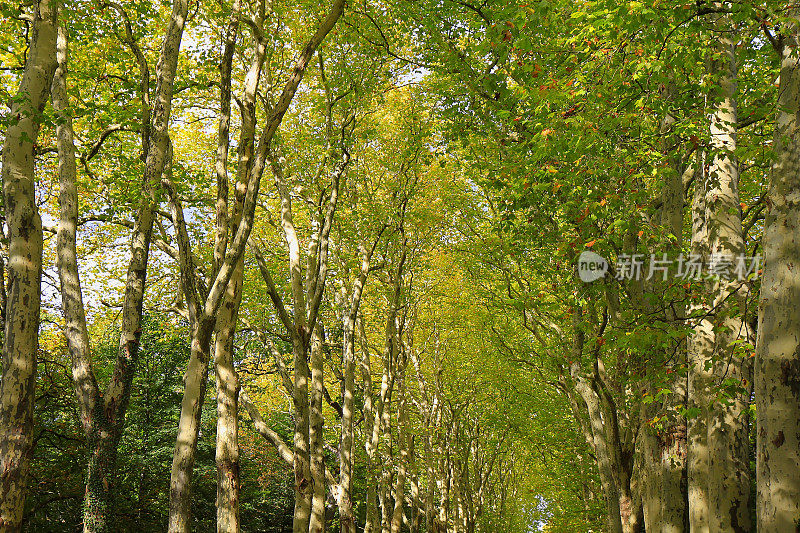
(355, 138)
(365, 219)
(653, 131)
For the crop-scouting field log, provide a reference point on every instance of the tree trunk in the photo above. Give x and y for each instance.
(416, 504)
(203, 309)
(98, 501)
(157, 154)
(102, 416)
(402, 461)
(700, 347)
(670, 443)
(371, 505)
(728, 435)
(227, 381)
(652, 477)
(608, 475)
(194, 380)
(674, 510)
(20, 347)
(371, 417)
(384, 496)
(614, 455)
(348, 524)
(430, 496)
(188, 428)
(315, 436)
(777, 375)
(303, 489)
(380, 425)
(346, 517)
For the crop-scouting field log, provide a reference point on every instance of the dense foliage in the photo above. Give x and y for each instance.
(273, 266)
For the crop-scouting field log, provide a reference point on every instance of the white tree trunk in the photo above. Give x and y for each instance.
(21, 341)
(777, 375)
(700, 346)
(728, 440)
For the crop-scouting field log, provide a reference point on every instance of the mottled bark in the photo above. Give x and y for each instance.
(652, 478)
(202, 327)
(223, 137)
(17, 386)
(609, 476)
(99, 435)
(417, 508)
(430, 496)
(673, 511)
(777, 374)
(227, 380)
(377, 482)
(700, 346)
(102, 416)
(345, 502)
(728, 433)
(372, 417)
(315, 436)
(663, 450)
(384, 487)
(194, 380)
(596, 434)
(300, 337)
(305, 303)
(604, 429)
(306, 291)
(188, 427)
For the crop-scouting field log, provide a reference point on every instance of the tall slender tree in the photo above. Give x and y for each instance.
(24, 234)
(727, 422)
(103, 413)
(777, 372)
(203, 304)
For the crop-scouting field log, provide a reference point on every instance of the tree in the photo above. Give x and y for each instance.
(776, 373)
(24, 237)
(202, 305)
